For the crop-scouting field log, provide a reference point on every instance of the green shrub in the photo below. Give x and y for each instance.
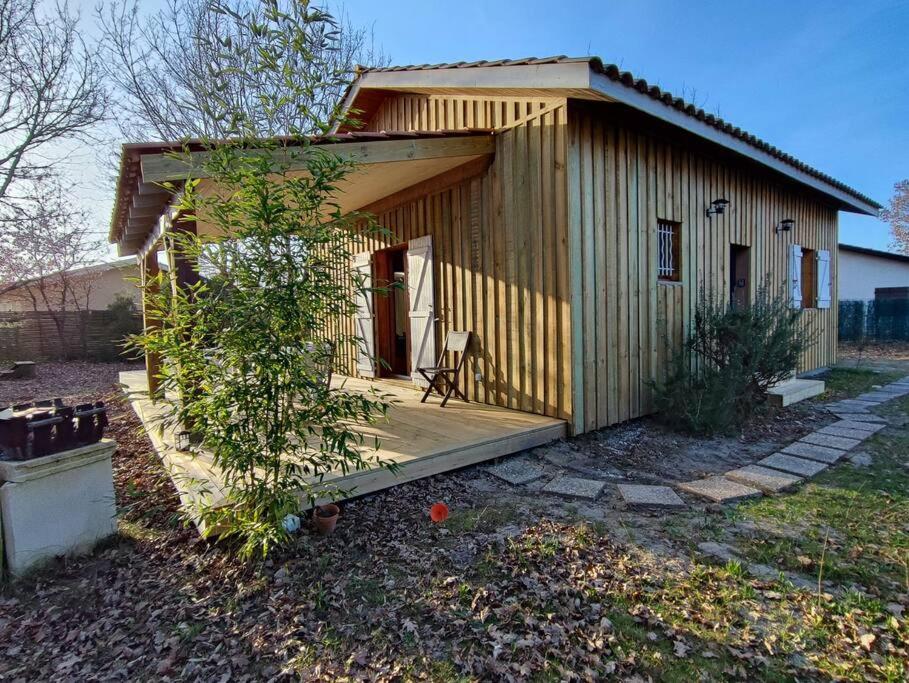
(731, 358)
(122, 321)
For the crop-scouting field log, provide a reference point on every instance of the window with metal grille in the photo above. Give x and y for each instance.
(669, 234)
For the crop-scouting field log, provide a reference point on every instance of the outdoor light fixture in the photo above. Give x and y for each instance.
(785, 225)
(717, 207)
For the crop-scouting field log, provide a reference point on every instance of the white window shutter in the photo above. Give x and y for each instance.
(823, 279)
(422, 314)
(366, 349)
(795, 276)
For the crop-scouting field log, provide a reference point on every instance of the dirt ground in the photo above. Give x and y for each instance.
(515, 585)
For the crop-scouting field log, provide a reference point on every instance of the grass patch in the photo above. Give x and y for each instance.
(854, 521)
(847, 382)
(483, 520)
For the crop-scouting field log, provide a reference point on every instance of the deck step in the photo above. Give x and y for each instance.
(794, 390)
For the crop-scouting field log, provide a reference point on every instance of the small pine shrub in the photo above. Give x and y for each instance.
(732, 356)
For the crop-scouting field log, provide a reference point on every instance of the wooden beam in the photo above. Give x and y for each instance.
(146, 188)
(158, 168)
(151, 287)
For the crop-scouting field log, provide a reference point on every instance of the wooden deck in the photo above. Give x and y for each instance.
(421, 438)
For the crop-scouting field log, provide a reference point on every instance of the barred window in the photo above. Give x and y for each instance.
(669, 234)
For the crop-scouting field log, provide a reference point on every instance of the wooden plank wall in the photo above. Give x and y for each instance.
(31, 335)
(622, 178)
(499, 252)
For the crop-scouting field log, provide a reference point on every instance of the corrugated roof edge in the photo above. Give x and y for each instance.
(626, 78)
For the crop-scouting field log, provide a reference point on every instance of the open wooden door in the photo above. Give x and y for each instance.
(422, 315)
(366, 351)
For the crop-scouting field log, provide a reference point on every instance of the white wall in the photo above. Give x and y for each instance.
(861, 273)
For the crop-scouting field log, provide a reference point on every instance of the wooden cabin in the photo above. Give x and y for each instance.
(566, 213)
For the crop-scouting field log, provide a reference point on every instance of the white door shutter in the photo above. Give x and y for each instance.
(823, 279)
(420, 298)
(795, 276)
(366, 349)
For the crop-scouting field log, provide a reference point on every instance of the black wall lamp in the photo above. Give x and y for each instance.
(785, 225)
(717, 207)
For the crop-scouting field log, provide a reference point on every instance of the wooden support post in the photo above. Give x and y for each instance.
(151, 287)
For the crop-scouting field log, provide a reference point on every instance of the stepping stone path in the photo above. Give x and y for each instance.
(719, 489)
(575, 487)
(807, 457)
(793, 465)
(641, 496)
(821, 439)
(516, 471)
(767, 480)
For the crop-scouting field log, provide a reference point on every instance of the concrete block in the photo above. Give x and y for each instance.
(575, 487)
(859, 417)
(831, 441)
(60, 504)
(719, 489)
(767, 480)
(858, 425)
(794, 390)
(516, 471)
(812, 452)
(637, 495)
(793, 465)
(854, 434)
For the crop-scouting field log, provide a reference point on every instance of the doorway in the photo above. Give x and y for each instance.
(739, 275)
(392, 312)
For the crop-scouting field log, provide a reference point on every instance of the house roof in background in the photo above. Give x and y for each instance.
(622, 86)
(83, 270)
(874, 252)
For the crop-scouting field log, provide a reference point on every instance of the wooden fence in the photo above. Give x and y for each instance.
(87, 335)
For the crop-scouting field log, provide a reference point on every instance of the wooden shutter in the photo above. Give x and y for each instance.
(366, 349)
(795, 276)
(823, 279)
(420, 298)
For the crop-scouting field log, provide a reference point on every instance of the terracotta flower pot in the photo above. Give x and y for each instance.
(325, 517)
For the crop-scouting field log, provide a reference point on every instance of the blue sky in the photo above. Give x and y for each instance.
(826, 81)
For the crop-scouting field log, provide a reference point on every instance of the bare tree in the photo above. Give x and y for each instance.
(50, 89)
(897, 214)
(178, 72)
(43, 255)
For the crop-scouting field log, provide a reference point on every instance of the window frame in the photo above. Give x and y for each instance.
(674, 229)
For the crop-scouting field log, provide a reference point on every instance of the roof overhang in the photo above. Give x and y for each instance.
(588, 79)
(384, 164)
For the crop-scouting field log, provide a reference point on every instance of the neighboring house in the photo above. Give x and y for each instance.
(565, 212)
(92, 288)
(863, 271)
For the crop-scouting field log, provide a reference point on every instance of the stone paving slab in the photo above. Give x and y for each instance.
(856, 405)
(763, 478)
(894, 390)
(859, 417)
(719, 489)
(874, 397)
(845, 432)
(859, 425)
(638, 495)
(793, 465)
(831, 441)
(516, 471)
(575, 487)
(812, 452)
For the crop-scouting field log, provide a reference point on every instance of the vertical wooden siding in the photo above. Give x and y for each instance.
(500, 257)
(622, 180)
(406, 112)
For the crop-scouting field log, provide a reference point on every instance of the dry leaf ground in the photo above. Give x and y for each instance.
(513, 586)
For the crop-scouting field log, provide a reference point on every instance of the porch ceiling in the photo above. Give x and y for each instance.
(150, 174)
